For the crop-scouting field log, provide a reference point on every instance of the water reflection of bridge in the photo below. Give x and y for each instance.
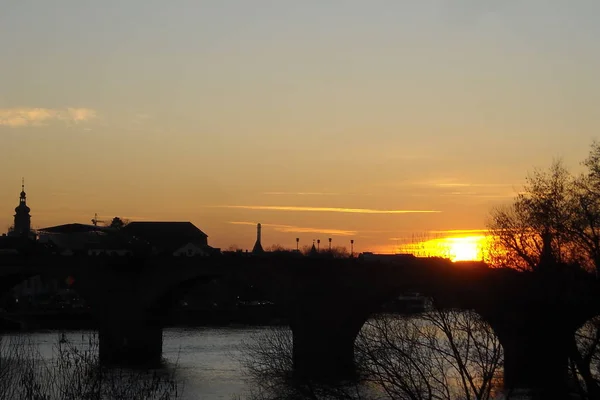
(327, 302)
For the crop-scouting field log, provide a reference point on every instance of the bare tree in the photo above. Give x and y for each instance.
(556, 212)
(555, 223)
(118, 223)
(234, 248)
(540, 219)
(585, 227)
(440, 355)
(585, 360)
(277, 248)
(339, 252)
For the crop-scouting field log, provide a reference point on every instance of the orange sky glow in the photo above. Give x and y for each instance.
(393, 124)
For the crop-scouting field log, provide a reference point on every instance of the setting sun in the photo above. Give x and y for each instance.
(458, 248)
(465, 248)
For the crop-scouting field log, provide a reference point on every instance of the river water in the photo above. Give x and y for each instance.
(206, 361)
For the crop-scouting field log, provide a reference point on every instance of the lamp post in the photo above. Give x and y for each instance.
(351, 247)
(297, 243)
(318, 245)
(330, 245)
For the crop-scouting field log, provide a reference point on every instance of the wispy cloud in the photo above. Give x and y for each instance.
(300, 229)
(301, 194)
(479, 195)
(465, 189)
(467, 184)
(314, 194)
(332, 209)
(26, 116)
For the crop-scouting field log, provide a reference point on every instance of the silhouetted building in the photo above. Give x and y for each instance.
(22, 224)
(74, 228)
(170, 238)
(15, 245)
(258, 249)
(86, 239)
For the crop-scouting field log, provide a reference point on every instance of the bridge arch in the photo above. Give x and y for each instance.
(87, 278)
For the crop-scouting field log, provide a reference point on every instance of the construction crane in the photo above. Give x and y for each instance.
(95, 220)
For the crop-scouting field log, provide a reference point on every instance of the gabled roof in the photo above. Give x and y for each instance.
(162, 228)
(166, 235)
(73, 228)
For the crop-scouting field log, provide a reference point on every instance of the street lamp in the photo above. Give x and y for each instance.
(330, 245)
(318, 244)
(297, 243)
(351, 247)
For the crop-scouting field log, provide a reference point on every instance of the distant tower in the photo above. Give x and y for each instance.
(22, 225)
(313, 250)
(258, 246)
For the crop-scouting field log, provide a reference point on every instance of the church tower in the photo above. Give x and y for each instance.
(258, 246)
(22, 226)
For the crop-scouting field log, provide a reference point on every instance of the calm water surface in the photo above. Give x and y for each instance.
(206, 359)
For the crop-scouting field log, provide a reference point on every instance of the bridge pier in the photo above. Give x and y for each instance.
(130, 342)
(324, 329)
(324, 353)
(536, 352)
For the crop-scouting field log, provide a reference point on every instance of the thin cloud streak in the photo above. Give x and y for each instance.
(28, 116)
(473, 194)
(332, 209)
(467, 185)
(300, 194)
(314, 194)
(299, 229)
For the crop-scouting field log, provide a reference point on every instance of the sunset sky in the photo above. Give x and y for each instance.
(365, 120)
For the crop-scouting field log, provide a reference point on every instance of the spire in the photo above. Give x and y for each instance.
(23, 196)
(22, 224)
(258, 246)
(313, 250)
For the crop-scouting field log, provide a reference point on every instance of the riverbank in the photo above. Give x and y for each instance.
(82, 319)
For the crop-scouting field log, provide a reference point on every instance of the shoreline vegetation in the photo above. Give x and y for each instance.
(74, 373)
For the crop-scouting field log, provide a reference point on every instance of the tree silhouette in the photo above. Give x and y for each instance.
(554, 224)
(118, 223)
(541, 217)
(557, 212)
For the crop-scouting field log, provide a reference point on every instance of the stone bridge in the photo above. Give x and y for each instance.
(328, 300)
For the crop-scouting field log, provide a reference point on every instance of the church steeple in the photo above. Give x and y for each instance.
(22, 225)
(23, 197)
